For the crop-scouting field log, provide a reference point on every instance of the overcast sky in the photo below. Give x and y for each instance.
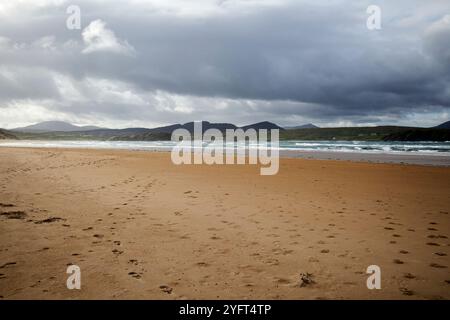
(156, 62)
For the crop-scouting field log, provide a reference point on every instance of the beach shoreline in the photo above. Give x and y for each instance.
(410, 158)
(141, 227)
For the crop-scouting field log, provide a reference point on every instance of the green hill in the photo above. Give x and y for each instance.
(380, 133)
(4, 134)
(420, 135)
(349, 133)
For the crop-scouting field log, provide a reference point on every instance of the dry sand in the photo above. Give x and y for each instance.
(140, 227)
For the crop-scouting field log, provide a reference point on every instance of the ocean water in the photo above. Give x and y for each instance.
(371, 147)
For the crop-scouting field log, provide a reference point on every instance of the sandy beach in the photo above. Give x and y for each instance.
(140, 227)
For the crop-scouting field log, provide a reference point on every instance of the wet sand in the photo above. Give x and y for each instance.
(401, 158)
(140, 227)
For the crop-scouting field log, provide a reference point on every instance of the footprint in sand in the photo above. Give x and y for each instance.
(8, 264)
(117, 252)
(306, 279)
(406, 291)
(432, 236)
(282, 281)
(166, 289)
(6, 205)
(436, 265)
(135, 275)
(49, 220)
(14, 215)
(202, 264)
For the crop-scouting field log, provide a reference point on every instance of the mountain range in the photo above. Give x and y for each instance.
(55, 130)
(48, 126)
(59, 130)
(61, 126)
(304, 126)
(445, 125)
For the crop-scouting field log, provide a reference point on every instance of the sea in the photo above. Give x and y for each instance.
(371, 147)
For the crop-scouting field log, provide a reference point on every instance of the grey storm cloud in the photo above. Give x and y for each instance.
(158, 62)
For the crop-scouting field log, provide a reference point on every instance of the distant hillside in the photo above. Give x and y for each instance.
(349, 133)
(387, 133)
(4, 134)
(262, 125)
(135, 134)
(146, 136)
(305, 126)
(52, 126)
(445, 125)
(420, 134)
(205, 126)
